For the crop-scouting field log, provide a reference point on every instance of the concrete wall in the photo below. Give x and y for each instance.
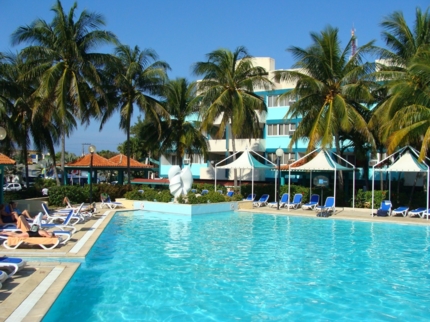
(34, 206)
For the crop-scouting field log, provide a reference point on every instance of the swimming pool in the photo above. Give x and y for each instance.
(250, 267)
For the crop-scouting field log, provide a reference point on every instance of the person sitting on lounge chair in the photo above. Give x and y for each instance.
(13, 212)
(29, 233)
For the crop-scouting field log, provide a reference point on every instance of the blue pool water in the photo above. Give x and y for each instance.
(244, 267)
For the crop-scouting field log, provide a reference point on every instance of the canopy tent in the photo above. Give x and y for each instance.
(405, 160)
(322, 162)
(245, 161)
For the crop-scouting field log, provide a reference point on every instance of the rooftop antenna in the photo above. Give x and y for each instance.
(354, 42)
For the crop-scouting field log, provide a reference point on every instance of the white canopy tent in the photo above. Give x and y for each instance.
(323, 162)
(245, 161)
(406, 161)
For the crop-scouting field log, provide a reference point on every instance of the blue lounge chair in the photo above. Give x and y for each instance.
(230, 194)
(106, 201)
(51, 216)
(315, 200)
(3, 278)
(262, 202)
(329, 207)
(64, 231)
(11, 264)
(417, 212)
(251, 197)
(385, 209)
(400, 211)
(297, 201)
(284, 200)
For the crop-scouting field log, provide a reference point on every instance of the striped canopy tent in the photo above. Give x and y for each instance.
(247, 162)
(322, 161)
(404, 160)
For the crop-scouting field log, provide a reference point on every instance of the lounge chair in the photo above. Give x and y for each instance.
(14, 242)
(105, 198)
(385, 209)
(315, 200)
(230, 194)
(400, 211)
(284, 200)
(85, 208)
(251, 197)
(297, 201)
(62, 232)
(327, 209)
(417, 212)
(262, 202)
(52, 216)
(44, 242)
(11, 264)
(3, 278)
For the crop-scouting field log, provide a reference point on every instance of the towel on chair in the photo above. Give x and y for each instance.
(24, 226)
(13, 241)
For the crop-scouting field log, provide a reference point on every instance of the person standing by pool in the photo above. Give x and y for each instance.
(13, 212)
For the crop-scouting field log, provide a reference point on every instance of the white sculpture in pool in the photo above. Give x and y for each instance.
(180, 181)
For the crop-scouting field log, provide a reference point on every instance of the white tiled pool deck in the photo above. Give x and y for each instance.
(30, 293)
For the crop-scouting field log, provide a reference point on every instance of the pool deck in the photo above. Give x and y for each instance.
(29, 294)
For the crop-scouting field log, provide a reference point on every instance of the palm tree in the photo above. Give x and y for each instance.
(331, 91)
(136, 75)
(180, 134)
(227, 91)
(62, 56)
(404, 112)
(19, 102)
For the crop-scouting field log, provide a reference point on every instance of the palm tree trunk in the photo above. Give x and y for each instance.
(63, 154)
(338, 151)
(233, 144)
(128, 152)
(25, 152)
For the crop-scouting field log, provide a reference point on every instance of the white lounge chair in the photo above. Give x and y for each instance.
(400, 211)
(385, 209)
(297, 201)
(11, 264)
(61, 229)
(251, 197)
(106, 201)
(315, 200)
(51, 216)
(327, 209)
(284, 200)
(418, 212)
(262, 201)
(3, 278)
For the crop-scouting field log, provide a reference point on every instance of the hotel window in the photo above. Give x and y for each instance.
(281, 129)
(274, 100)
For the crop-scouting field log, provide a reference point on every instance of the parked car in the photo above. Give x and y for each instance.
(12, 187)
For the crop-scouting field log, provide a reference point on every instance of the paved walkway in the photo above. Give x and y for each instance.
(30, 293)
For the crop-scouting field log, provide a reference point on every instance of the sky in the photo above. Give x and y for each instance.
(183, 32)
